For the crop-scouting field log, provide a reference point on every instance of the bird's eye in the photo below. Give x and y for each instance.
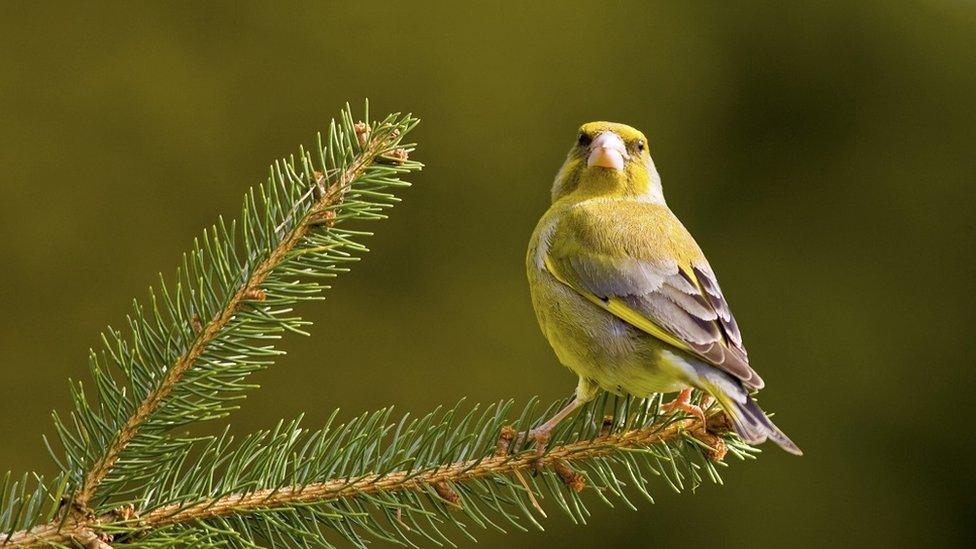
(584, 140)
(640, 145)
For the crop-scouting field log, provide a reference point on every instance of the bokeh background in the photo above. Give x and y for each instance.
(822, 154)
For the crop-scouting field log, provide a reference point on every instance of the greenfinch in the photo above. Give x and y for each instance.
(626, 297)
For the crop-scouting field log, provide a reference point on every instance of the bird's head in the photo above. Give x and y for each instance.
(608, 159)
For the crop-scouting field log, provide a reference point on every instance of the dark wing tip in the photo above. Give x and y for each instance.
(754, 382)
(731, 361)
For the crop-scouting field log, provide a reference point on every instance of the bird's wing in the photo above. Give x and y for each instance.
(642, 266)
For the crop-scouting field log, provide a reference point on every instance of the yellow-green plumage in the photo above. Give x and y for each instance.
(624, 294)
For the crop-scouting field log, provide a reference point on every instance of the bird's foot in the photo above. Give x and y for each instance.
(539, 437)
(683, 402)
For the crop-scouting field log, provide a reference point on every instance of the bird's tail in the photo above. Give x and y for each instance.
(748, 419)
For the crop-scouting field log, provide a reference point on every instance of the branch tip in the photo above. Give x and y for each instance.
(575, 481)
(505, 439)
(126, 512)
(318, 187)
(396, 156)
(255, 294)
(447, 493)
(362, 133)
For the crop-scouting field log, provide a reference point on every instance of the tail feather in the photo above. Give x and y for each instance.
(750, 422)
(748, 419)
(754, 427)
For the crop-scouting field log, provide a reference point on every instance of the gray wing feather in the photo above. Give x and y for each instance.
(671, 299)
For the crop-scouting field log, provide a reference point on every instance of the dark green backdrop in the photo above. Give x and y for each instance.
(822, 155)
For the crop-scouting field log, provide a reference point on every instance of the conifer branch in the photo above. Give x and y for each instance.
(525, 461)
(249, 289)
(187, 354)
(471, 469)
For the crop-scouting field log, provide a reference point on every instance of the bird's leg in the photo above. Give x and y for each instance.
(540, 435)
(683, 402)
(586, 389)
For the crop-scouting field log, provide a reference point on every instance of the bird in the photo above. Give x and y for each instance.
(625, 296)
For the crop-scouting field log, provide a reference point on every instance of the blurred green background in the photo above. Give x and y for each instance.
(820, 152)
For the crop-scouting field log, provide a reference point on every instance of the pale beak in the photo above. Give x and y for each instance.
(608, 151)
